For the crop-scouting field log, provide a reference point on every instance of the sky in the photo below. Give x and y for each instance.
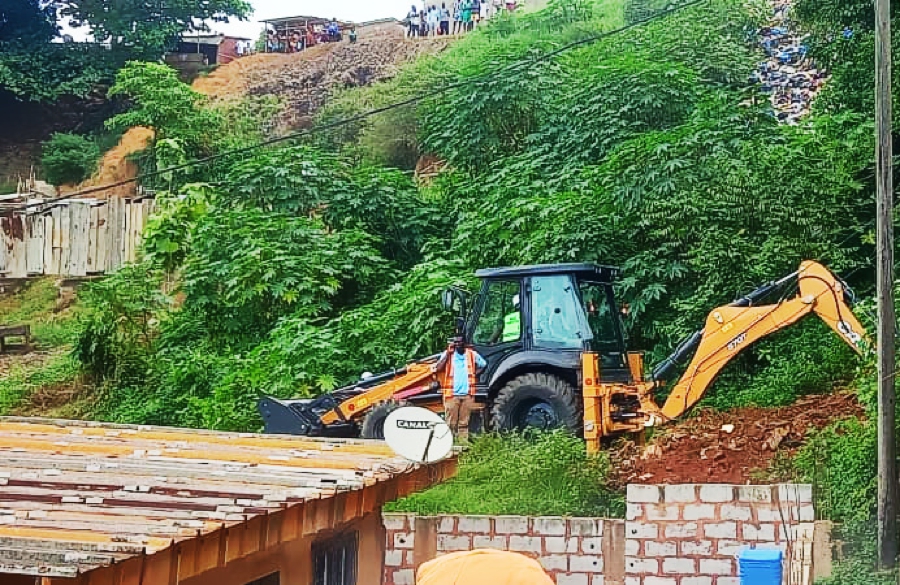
(349, 10)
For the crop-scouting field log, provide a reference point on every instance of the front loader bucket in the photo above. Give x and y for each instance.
(287, 417)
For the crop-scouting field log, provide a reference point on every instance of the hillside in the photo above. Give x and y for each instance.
(300, 82)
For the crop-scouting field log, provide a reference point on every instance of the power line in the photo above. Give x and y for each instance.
(513, 68)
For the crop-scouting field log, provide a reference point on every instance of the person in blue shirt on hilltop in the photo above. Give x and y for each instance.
(460, 366)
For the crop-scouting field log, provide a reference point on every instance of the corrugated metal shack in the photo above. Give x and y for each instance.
(72, 238)
(85, 503)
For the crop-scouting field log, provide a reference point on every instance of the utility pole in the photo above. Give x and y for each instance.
(887, 462)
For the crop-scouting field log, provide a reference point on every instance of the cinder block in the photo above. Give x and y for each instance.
(561, 544)
(720, 530)
(633, 581)
(525, 544)
(728, 581)
(632, 512)
(656, 512)
(410, 558)
(754, 493)
(450, 543)
(586, 563)
(587, 526)
(765, 532)
(769, 514)
(404, 577)
(474, 524)
(792, 492)
(673, 566)
(447, 525)
(735, 512)
(549, 526)
(511, 525)
(642, 530)
(805, 513)
(404, 539)
(641, 494)
(660, 581)
(592, 546)
(717, 567)
(730, 548)
(571, 579)
(394, 521)
(660, 549)
(681, 530)
(393, 558)
(485, 541)
(696, 548)
(555, 563)
(632, 547)
(636, 566)
(699, 512)
(696, 581)
(716, 493)
(685, 493)
(598, 580)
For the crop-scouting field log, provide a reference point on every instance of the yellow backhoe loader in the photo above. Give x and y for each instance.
(554, 342)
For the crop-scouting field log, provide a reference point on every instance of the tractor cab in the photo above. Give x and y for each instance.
(540, 320)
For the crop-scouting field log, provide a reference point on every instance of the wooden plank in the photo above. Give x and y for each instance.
(14, 234)
(56, 260)
(103, 238)
(78, 233)
(127, 241)
(47, 218)
(114, 254)
(139, 223)
(123, 232)
(65, 238)
(34, 234)
(92, 266)
(4, 252)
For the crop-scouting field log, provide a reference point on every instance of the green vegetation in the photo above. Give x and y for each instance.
(549, 474)
(69, 158)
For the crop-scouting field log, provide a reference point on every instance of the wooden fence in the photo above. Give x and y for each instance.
(78, 237)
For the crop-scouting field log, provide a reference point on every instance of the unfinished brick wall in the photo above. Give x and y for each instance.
(573, 551)
(691, 534)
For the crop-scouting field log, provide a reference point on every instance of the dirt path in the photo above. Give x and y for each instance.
(729, 447)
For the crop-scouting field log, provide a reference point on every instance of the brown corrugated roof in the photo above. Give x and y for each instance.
(77, 496)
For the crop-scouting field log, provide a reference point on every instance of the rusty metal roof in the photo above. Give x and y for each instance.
(78, 496)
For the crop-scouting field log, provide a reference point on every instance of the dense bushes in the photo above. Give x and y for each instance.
(69, 158)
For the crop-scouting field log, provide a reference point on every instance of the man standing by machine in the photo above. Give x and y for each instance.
(460, 366)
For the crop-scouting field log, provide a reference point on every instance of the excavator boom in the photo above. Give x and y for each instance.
(732, 328)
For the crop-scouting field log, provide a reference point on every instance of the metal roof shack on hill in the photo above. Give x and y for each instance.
(98, 504)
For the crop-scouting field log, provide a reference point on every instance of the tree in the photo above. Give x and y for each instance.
(27, 22)
(145, 29)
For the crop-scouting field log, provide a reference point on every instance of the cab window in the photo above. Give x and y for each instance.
(501, 319)
(600, 317)
(557, 314)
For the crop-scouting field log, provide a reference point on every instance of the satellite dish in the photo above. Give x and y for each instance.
(418, 434)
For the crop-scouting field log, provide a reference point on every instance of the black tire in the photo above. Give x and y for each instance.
(540, 401)
(373, 424)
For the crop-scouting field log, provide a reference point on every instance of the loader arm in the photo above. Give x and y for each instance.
(417, 378)
(732, 328)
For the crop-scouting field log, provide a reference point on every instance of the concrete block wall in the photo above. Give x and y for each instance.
(573, 551)
(692, 534)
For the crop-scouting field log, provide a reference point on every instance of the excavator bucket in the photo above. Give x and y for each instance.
(832, 303)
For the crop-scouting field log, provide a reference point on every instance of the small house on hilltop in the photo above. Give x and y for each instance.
(85, 503)
(217, 48)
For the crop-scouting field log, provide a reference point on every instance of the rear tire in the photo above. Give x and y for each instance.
(373, 424)
(541, 401)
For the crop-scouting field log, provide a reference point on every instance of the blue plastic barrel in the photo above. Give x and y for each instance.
(760, 566)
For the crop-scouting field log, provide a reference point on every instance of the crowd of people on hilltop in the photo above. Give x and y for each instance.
(300, 39)
(788, 76)
(452, 17)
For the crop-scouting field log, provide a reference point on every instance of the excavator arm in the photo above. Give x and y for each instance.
(732, 328)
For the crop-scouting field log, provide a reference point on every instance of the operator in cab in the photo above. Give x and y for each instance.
(460, 366)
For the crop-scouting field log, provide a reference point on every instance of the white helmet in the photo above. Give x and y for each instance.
(515, 300)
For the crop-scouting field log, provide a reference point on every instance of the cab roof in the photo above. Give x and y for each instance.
(587, 271)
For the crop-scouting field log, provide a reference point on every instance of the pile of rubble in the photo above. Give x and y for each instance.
(788, 76)
(735, 447)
